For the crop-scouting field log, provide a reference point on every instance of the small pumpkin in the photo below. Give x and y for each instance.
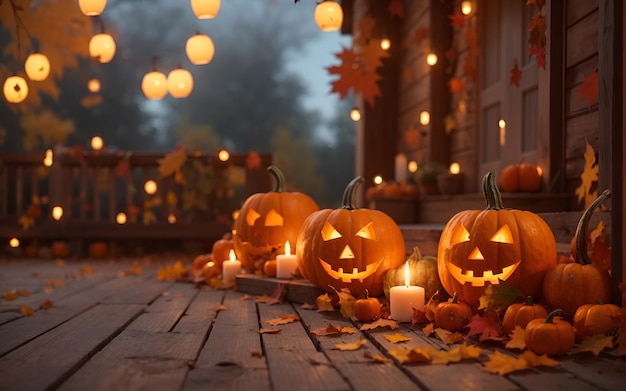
(571, 285)
(479, 247)
(349, 247)
(98, 249)
(453, 315)
(367, 309)
(221, 249)
(519, 314)
(59, 249)
(523, 177)
(270, 268)
(423, 272)
(199, 261)
(266, 221)
(599, 318)
(552, 336)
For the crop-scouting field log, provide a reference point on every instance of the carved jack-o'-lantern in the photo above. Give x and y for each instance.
(477, 248)
(349, 247)
(267, 220)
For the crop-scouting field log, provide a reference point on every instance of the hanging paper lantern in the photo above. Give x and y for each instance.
(92, 7)
(328, 15)
(180, 83)
(15, 89)
(154, 85)
(102, 47)
(37, 67)
(200, 49)
(205, 9)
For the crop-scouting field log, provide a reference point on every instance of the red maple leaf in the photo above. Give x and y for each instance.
(469, 67)
(538, 3)
(540, 54)
(418, 35)
(371, 55)
(589, 89)
(486, 326)
(516, 74)
(395, 7)
(456, 85)
(457, 19)
(537, 28)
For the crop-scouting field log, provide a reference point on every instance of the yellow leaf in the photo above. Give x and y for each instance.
(27, 311)
(448, 337)
(410, 356)
(536, 361)
(328, 330)
(380, 323)
(518, 341)
(350, 346)
(172, 162)
(594, 344)
(503, 364)
(444, 356)
(470, 351)
(10, 295)
(377, 358)
(588, 177)
(323, 303)
(396, 337)
(428, 329)
(346, 303)
(289, 318)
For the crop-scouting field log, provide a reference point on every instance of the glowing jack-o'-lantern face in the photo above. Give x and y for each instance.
(349, 248)
(478, 248)
(267, 221)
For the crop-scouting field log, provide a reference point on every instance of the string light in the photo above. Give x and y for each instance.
(180, 83)
(15, 89)
(355, 115)
(205, 9)
(328, 15)
(223, 155)
(92, 7)
(37, 67)
(200, 49)
(432, 59)
(424, 118)
(385, 44)
(93, 85)
(150, 186)
(466, 7)
(102, 47)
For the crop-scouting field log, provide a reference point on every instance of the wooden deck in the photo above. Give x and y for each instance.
(112, 326)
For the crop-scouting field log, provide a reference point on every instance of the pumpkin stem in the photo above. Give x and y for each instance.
(349, 195)
(551, 315)
(417, 254)
(581, 229)
(279, 177)
(367, 294)
(491, 192)
(455, 298)
(529, 300)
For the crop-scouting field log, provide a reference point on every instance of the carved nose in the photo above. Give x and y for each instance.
(347, 253)
(476, 255)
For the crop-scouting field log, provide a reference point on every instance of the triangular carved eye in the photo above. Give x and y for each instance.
(329, 232)
(460, 234)
(367, 232)
(252, 216)
(273, 219)
(503, 235)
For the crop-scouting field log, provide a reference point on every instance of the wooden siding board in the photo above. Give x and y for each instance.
(582, 39)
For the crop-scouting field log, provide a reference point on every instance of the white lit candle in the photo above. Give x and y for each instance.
(403, 298)
(401, 167)
(286, 264)
(230, 268)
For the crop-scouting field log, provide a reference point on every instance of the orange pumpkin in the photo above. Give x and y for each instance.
(519, 314)
(523, 177)
(480, 247)
(570, 285)
(349, 247)
(453, 315)
(600, 318)
(98, 249)
(221, 249)
(266, 221)
(59, 249)
(270, 268)
(367, 309)
(199, 261)
(552, 336)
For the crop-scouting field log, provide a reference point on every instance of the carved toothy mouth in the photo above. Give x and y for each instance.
(355, 275)
(487, 276)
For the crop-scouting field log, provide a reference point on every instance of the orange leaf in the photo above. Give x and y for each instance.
(396, 338)
(10, 295)
(503, 364)
(46, 304)
(589, 89)
(588, 177)
(516, 74)
(594, 344)
(380, 323)
(324, 303)
(328, 330)
(486, 326)
(350, 346)
(346, 303)
(457, 19)
(396, 8)
(256, 353)
(448, 337)
(27, 310)
(220, 307)
(518, 340)
(538, 361)
(418, 35)
(410, 356)
(428, 329)
(456, 85)
(289, 318)
(377, 358)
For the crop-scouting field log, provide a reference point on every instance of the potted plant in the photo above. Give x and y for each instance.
(427, 175)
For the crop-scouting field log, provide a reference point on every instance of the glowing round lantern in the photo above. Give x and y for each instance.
(180, 83)
(57, 212)
(15, 89)
(102, 47)
(93, 85)
(223, 155)
(97, 143)
(205, 9)
(328, 15)
(154, 85)
(92, 7)
(200, 49)
(150, 186)
(37, 67)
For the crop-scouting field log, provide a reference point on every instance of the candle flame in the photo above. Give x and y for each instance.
(231, 255)
(407, 274)
(287, 248)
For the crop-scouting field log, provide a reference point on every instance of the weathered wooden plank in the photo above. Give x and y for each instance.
(292, 358)
(585, 36)
(296, 290)
(226, 362)
(47, 360)
(355, 367)
(605, 373)
(145, 290)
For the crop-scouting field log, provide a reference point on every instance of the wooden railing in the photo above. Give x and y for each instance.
(93, 188)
